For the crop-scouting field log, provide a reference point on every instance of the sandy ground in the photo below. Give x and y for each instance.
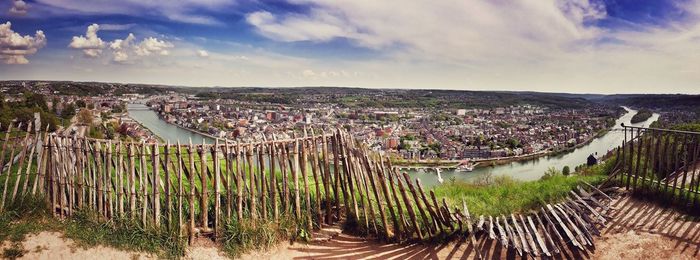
(638, 231)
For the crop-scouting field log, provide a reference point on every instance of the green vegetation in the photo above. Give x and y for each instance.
(641, 116)
(30, 215)
(504, 195)
(566, 171)
(246, 235)
(24, 111)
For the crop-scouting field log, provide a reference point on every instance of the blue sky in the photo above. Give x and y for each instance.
(582, 46)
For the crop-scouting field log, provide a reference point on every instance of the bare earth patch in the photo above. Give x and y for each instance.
(639, 230)
(52, 246)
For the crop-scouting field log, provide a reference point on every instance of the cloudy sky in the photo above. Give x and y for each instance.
(582, 46)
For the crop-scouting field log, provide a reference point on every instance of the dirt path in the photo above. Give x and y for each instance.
(639, 230)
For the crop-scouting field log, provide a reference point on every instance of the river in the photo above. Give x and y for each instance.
(533, 169)
(527, 170)
(168, 132)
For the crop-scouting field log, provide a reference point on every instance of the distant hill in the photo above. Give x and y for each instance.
(364, 97)
(654, 101)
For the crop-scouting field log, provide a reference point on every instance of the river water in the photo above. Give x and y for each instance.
(535, 168)
(522, 170)
(168, 132)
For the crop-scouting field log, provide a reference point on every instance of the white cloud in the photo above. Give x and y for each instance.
(19, 7)
(14, 47)
(466, 30)
(152, 46)
(120, 48)
(90, 44)
(202, 53)
(180, 10)
(551, 45)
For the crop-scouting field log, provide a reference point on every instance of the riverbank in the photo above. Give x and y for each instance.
(149, 119)
(501, 160)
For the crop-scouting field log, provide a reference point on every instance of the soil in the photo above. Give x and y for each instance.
(639, 230)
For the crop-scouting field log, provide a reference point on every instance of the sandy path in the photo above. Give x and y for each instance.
(638, 231)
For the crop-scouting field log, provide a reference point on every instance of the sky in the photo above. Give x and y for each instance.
(576, 46)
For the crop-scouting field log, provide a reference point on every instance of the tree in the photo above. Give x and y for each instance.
(85, 117)
(32, 100)
(566, 171)
(80, 103)
(68, 112)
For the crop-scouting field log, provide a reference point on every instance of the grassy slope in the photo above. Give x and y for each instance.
(505, 195)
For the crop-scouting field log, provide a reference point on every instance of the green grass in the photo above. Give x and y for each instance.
(248, 235)
(30, 215)
(505, 195)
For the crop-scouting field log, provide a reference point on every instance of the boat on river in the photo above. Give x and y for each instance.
(465, 166)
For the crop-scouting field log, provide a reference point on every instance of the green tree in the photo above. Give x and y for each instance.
(68, 111)
(566, 171)
(35, 100)
(80, 103)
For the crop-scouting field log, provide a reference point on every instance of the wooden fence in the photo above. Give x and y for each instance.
(316, 179)
(661, 163)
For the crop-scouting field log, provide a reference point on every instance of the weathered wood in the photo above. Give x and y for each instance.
(492, 234)
(362, 178)
(217, 188)
(502, 235)
(36, 147)
(400, 211)
(155, 157)
(295, 171)
(143, 182)
(22, 158)
(180, 188)
(437, 224)
(416, 198)
(132, 180)
(273, 180)
(304, 175)
(191, 177)
(470, 230)
(377, 197)
(520, 235)
(263, 180)
(349, 175)
(530, 239)
(328, 181)
(168, 199)
(597, 190)
(336, 173)
(598, 216)
(590, 197)
(390, 205)
(251, 175)
(9, 170)
(239, 182)
(42, 160)
(578, 224)
(513, 237)
(565, 221)
(409, 208)
(547, 235)
(314, 170)
(564, 227)
(540, 241)
(120, 180)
